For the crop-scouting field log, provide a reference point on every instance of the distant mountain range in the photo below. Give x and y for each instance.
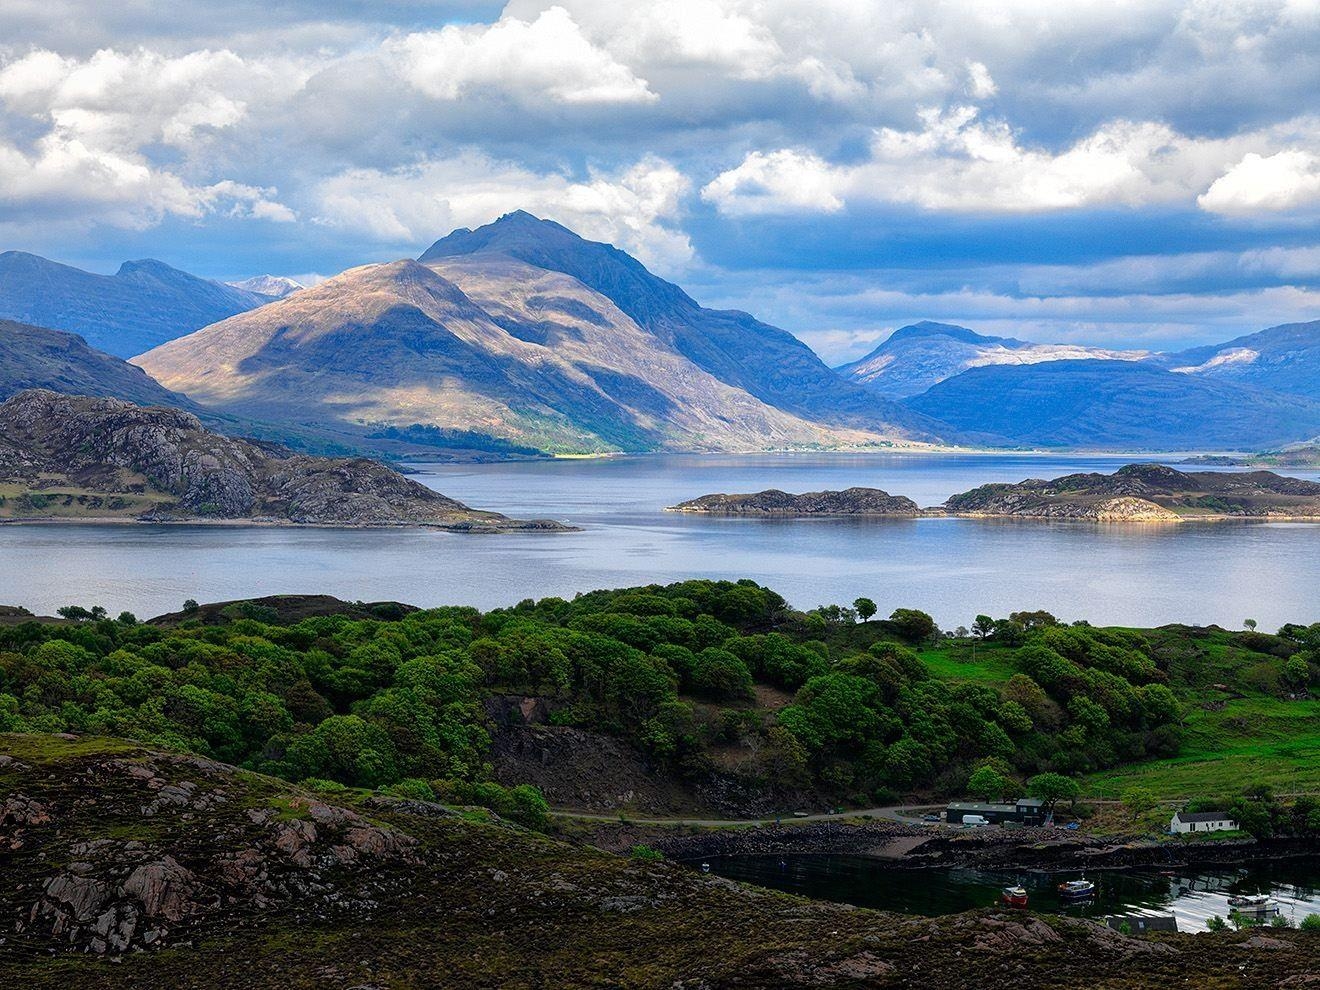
(524, 330)
(916, 357)
(1115, 405)
(274, 286)
(142, 305)
(522, 334)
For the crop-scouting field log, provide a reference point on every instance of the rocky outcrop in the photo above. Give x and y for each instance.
(1145, 493)
(850, 502)
(165, 462)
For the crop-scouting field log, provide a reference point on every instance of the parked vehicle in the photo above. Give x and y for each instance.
(930, 818)
(975, 821)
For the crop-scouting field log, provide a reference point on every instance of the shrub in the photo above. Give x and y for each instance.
(412, 788)
(322, 786)
(646, 854)
(1311, 923)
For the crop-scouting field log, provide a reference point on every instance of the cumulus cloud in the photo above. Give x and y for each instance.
(1282, 181)
(408, 207)
(958, 162)
(545, 58)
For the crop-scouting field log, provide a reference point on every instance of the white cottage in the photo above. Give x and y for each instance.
(1202, 821)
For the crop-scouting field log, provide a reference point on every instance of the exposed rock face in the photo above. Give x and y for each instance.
(54, 441)
(526, 332)
(1145, 493)
(144, 304)
(850, 502)
(916, 357)
(34, 357)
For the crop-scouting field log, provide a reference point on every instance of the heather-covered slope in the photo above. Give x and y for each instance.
(488, 344)
(1116, 405)
(916, 357)
(34, 357)
(73, 457)
(143, 304)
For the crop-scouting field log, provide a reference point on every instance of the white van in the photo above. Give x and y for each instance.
(975, 821)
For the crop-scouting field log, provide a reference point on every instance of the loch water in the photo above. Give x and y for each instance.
(1191, 895)
(1219, 572)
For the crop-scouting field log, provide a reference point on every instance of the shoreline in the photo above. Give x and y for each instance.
(938, 513)
(474, 528)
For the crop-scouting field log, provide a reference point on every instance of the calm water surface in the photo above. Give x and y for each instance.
(953, 568)
(1192, 896)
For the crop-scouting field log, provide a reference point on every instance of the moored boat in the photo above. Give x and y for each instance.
(1076, 889)
(1014, 897)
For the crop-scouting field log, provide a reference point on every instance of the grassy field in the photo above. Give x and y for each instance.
(20, 501)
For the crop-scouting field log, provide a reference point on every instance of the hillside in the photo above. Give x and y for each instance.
(1116, 405)
(133, 866)
(1284, 358)
(490, 343)
(34, 357)
(916, 357)
(72, 457)
(143, 304)
(274, 286)
(1146, 492)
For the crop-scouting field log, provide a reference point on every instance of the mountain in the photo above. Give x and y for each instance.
(1284, 358)
(916, 357)
(1116, 405)
(75, 457)
(736, 348)
(143, 304)
(275, 286)
(477, 337)
(34, 357)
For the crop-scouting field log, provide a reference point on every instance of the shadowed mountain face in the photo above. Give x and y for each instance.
(1116, 405)
(768, 363)
(144, 304)
(488, 341)
(34, 357)
(924, 354)
(1284, 358)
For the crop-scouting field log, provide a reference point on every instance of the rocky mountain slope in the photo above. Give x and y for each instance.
(1146, 493)
(916, 357)
(1284, 358)
(143, 304)
(1116, 405)
(34, 357)
(74, 457)
(768, 363)
(483, 340)
(850, 502)
(128, 866)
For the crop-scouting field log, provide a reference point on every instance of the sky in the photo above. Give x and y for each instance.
(1130, 173)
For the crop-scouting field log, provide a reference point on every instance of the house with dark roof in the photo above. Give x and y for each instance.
(1202, 821)
(1025, 811)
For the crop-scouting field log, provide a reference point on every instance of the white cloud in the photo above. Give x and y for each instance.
(980, 84)
(545, 58)
(408, 207)
(958, 162)
(1258, 183)
(775, 182)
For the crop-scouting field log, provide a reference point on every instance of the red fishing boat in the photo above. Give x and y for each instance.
(1014, 897)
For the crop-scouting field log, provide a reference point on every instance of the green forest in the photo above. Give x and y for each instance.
(832, 701)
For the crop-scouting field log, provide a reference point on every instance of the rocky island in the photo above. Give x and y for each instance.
(1135, 493)
(78, 458)
(851, 502)
(1145, 493)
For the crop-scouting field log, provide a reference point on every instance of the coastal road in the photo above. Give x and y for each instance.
(907, 814)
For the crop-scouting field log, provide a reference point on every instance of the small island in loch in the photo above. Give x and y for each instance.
(1134, 493)
(70, 458)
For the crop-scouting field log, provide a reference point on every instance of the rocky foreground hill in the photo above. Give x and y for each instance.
(1135, 493)
(76, 457)
(126, 866)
